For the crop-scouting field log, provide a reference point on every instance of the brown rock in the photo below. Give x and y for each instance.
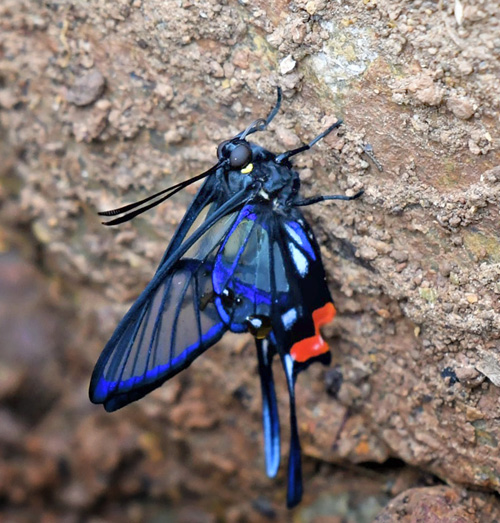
(439, 505)
(405, 263)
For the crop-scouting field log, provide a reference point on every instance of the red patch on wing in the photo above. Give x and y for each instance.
(307, 348)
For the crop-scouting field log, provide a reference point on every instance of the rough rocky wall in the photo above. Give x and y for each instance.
(106, 102)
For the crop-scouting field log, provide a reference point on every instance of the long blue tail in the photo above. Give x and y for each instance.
(270, 419)
(294, 493)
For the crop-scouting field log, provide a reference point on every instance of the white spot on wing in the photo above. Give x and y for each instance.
(293, 235)
(289, 318)
(265, 348)
(299, 259)
(288, 366)
(264, 194)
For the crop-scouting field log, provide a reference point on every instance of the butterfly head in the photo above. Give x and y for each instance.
(237, 153)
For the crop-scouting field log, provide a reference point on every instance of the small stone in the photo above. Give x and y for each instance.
(467, 373)
(298, 33)
(383, 313)
(400, 267)
(276, 38)
(241, 59)
(87, 89)
(368, 253)
(288, 138)
(472, 298)
(464, 68)
(311, 7)
(287, 65)
(228, 70)
(399, 256)
(445, 268)
(489, 365)
(461, 107)
(290, 81)
(472, 414)
(216, 69)
(426, 91)
(428, 294)
(173, 136)
(165, 91)
(474, 148)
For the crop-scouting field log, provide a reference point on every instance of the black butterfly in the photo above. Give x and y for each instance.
(243, 260)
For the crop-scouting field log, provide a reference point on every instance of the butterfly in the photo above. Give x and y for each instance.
(243, 259)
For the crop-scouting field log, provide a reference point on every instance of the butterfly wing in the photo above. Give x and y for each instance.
(174, 319)
(270, 418)
(298, 333)
(268, 278)
(269, 269)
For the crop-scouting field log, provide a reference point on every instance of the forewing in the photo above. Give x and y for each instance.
(171, 323)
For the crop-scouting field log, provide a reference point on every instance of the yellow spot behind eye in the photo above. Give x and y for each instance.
(247, 169)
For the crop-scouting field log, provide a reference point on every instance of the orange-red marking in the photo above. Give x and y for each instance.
(315, 345)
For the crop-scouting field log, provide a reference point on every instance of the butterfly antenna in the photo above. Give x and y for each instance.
(261, 124)
(134, 209)
(276, 108)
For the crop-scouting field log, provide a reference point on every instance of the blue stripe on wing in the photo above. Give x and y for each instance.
(235, 242)
(117, 394)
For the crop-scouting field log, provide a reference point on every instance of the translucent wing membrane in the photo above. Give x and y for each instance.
(166, 329)
(249, 277)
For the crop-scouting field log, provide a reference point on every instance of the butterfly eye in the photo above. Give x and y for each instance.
(220, 149)
(240, 156)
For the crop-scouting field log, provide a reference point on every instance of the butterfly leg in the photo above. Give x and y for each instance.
(317, 199)
(294, 491)
(270, 417)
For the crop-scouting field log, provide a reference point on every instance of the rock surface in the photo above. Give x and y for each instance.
(102, 103)
(439, 504)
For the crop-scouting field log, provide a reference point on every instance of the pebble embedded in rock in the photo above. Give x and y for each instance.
(425, 90)
(287, 65)
(87, 89)
(461, 107)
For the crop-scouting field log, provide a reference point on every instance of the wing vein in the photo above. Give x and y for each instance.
(196, 300)
(155, 338)
(130, 344)
(173, 333)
